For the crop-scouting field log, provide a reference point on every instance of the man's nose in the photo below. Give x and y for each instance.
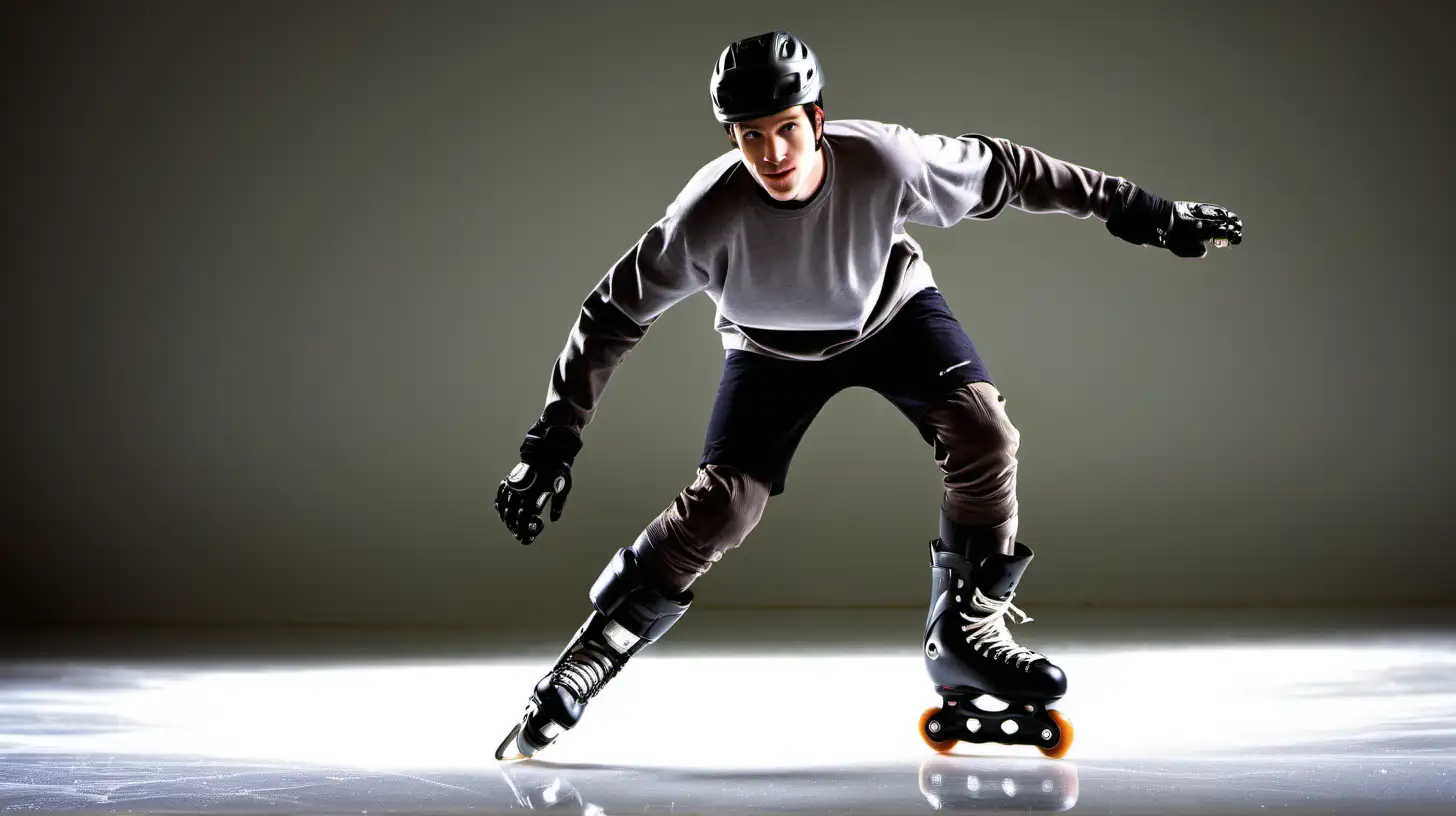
(778, 149)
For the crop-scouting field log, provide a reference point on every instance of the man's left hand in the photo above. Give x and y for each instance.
(1194, 225)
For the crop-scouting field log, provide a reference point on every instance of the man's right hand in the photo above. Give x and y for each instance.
(523, 494)
(543, 475)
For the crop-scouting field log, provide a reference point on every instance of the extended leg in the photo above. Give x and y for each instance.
(628, 614)
(639, 596)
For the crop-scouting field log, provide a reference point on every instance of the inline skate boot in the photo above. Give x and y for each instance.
(970, 655)
(628, 615)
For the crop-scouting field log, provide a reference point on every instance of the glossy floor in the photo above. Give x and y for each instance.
(748, 711)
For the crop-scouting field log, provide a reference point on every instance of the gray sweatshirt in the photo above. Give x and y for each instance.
(810, 282)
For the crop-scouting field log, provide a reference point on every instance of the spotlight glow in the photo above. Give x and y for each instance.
(753, 712)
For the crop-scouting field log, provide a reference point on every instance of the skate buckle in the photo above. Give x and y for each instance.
(619, 636)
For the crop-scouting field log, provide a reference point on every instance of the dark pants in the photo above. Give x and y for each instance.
(764, 404)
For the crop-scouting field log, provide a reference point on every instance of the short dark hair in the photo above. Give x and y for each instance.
(808, 111)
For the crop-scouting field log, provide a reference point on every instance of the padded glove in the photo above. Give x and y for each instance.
(1181, 227)
(543, 475)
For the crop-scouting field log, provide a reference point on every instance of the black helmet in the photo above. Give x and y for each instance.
(763, 75)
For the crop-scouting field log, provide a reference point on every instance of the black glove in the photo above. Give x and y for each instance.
(1194, 225)
(1181, 227)
(543, 474)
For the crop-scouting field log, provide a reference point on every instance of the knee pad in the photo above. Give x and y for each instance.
(973, 417)
(975, 447)
(709, 517)
(715, 513)
(624, 594)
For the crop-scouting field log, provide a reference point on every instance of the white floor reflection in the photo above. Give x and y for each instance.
(740, 711)
(971, 783)
(949, 783)
(732, 732)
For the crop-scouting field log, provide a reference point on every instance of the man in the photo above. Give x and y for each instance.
(797, 234)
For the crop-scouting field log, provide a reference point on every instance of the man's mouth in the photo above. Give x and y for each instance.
(780, 174)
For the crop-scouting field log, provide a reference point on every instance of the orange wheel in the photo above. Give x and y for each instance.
(1065, 743)
(943, 746)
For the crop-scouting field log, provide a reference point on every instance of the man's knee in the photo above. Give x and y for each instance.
(975, 447)
(721, 503)
(973, 420)
(709, 517)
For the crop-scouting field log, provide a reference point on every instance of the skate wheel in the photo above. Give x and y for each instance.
(943, 746)
(1065, 743)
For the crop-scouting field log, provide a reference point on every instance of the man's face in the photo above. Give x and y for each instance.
(779, 151)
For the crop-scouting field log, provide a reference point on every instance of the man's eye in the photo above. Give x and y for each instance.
(791, 126)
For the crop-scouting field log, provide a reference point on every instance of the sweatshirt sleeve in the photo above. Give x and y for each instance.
(652, 276)
(975, 176)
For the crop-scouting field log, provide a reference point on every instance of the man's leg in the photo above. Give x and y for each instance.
(761, 411)
(976, 567)
(975, 448)
(760, 414)
(926, 365)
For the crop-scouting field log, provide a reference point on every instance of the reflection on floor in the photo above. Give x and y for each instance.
(1256, 711)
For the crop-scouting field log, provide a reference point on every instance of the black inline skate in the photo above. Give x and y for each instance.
(629, 614)
(969, 655)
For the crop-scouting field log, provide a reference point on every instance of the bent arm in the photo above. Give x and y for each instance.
(601, 338)
(649, 279)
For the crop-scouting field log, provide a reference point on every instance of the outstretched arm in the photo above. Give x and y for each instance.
(1029, 180)
(976, 176)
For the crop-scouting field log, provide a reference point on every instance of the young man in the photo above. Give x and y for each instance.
(797, 234)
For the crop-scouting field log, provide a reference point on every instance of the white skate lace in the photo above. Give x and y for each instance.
(989, 634)
(585, 671)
